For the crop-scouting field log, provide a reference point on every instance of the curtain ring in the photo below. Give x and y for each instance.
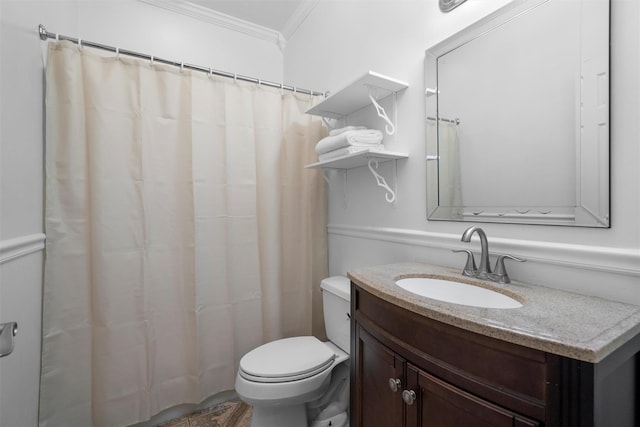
(79, 42)
(117, 53)
(151, 59)
(182, 66)
(57, 37)
(235, 77)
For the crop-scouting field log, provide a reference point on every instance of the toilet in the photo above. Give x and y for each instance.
(280, 377)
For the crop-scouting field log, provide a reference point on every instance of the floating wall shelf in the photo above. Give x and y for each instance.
(369, 158)
(355, 96)
(358, 159)
(365, 91)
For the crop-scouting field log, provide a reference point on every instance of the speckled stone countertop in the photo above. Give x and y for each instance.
(563, 323)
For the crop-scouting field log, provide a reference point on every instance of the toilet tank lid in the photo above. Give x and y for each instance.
(337, 285)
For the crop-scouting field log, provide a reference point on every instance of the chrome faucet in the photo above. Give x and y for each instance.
(484, 270)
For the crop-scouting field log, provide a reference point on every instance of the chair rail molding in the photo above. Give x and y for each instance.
(21, 246)
(597, 258)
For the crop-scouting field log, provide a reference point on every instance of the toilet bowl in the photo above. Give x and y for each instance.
(278, 378)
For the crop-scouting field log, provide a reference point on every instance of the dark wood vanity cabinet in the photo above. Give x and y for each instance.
(409, 370)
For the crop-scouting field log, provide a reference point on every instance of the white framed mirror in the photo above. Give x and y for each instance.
(517, 117)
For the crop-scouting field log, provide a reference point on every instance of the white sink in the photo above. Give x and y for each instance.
(457, 293)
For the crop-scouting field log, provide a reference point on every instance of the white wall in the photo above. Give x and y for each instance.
(341, 40)
(124, 23)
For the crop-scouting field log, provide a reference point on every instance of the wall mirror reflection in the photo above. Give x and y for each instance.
(517, 117)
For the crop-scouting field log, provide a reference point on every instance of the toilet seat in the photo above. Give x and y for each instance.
(288, 359)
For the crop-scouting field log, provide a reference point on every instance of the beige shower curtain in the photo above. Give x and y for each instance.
(448, 179)
(182, 231)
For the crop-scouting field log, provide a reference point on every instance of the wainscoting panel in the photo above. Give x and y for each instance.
(603, 259)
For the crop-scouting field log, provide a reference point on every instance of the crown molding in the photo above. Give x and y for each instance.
(297, 18)
(201, 13)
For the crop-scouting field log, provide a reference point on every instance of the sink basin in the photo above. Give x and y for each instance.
(457, 292)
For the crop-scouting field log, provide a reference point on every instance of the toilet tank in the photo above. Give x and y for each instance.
(336, 306)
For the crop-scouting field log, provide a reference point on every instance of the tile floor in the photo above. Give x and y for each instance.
(234, 413)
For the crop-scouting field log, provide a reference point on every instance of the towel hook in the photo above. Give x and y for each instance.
(389, 127)
(390, 195)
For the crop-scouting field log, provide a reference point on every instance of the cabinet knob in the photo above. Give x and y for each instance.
(409, 396)
(394, 384)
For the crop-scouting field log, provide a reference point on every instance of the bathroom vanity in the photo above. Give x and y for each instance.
(562, 359)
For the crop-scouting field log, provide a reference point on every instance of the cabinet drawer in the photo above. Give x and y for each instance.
(511, 375)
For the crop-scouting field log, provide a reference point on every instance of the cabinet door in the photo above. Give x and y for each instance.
(443, 405)
(379, 383)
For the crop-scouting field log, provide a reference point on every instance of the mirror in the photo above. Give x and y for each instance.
(517, 117)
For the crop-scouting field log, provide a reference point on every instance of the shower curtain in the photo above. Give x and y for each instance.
(449, 179)
(182, 231)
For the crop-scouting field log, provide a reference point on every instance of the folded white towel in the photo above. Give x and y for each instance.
(335, 132)
(364, 137)
(348, 150)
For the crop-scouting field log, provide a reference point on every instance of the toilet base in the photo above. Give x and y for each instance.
(279, 416)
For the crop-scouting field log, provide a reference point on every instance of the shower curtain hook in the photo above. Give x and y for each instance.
(151, 59)
(79, 42)
(117, 53)
(210, 71)
(182, 66)
(57, 37)
(235, 77)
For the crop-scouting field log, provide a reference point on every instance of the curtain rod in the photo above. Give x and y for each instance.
(44, 35)
(439, 119)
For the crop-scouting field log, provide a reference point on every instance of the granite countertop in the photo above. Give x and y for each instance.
(567, 324)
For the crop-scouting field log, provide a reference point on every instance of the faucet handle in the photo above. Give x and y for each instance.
(470, 268)
(500, 272)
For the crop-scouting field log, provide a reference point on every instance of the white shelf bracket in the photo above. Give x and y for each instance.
(390, 127)
(344, 188)
(325, 175)
(390, 195)
(326, 123)
(429, 92)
